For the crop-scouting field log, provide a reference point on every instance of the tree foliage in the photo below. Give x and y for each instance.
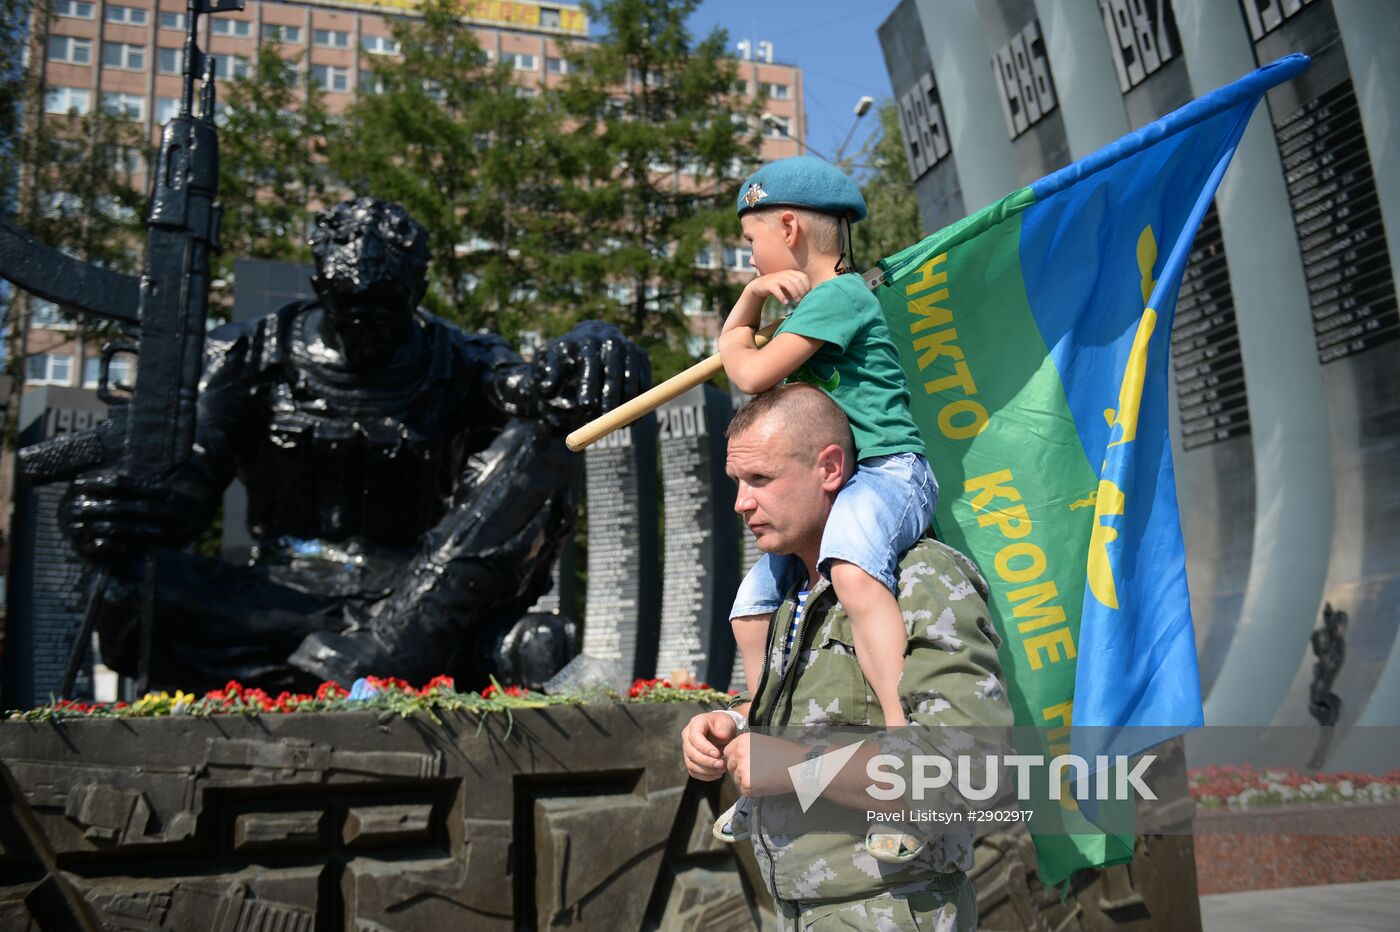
(894, 220)
(651, 147)
(74, 178)
(446, 134)
(12, 92)
(272, 171)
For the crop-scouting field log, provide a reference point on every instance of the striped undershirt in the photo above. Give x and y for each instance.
(792, 628)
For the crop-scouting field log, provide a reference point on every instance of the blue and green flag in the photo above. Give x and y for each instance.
(1035, 334)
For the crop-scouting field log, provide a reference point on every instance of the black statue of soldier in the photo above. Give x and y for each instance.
(408, 484)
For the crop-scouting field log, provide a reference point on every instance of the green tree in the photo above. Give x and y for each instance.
(12, 90)
(894, 220)
(446, 134)
(73, 185)
(67, 179)
(272, 169)
(651, 146)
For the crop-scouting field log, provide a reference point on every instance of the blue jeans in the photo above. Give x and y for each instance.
(881, 510)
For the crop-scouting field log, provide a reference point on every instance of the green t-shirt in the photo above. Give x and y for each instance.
(857, 365)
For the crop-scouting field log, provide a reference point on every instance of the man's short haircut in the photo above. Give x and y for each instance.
(807, 415)
(823, 230)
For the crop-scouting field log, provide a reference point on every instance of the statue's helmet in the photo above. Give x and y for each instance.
(369, 252)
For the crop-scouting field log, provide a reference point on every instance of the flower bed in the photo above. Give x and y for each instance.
(1245, 788)
(1278, 827)
(370, 694)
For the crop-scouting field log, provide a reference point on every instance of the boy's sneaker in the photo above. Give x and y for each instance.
(734, 824)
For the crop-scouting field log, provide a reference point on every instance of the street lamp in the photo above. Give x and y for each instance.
(862, 108)
(780, 124)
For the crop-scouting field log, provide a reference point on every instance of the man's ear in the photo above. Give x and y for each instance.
(831, 463)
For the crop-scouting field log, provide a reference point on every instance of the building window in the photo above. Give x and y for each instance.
(774, 91)
(556, 65)
(49, 369)
(121, 55)
(737, 258)
(172, 20)
(231, 27)
(550, 18)
(332, 39)
(525, 92)
(74, 8)
(368, 83)
(126, 106)
(118, 372)
(45, 315)
(228, 67)
(287, 35)
(130, 15)
(694, 305)
(125, 159)
(170, 61)
(775, 127)
(71, 50)
(330, 78)
(64, 99)
(380, 45)
(705, 258)
(166, 109)
(520, 61)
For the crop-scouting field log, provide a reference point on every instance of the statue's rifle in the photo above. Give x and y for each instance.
(151, 433)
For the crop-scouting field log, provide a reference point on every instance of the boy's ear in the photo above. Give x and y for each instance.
(791, 225)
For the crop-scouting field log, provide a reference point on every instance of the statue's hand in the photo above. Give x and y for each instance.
(110, 516)
(589, 371)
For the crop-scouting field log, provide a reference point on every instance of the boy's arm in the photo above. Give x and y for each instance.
(753, 370)
(788, 286)
(750, 372)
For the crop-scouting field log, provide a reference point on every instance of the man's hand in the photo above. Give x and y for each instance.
(587, 372)
(738, 761)
(788, 286)
(703, 741)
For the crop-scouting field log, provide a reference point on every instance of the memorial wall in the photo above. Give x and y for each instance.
(46, 590)
(1069, 81)
(623, 597)
(701, 548)
(1323, 139)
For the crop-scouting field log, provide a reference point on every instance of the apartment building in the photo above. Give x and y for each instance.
(126, 57)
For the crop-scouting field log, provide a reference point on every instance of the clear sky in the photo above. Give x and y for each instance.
(833, 41)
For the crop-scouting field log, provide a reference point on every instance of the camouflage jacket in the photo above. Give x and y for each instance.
(952, 679)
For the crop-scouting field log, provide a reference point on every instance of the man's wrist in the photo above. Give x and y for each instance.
(740, 722)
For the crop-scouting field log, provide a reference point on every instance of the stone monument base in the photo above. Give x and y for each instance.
(569, 816)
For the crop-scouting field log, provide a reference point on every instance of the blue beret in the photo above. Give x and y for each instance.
(803, 181)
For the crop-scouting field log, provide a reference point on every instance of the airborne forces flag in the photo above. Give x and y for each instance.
(1035, 335)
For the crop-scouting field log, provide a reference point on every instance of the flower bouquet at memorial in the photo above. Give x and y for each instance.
(369, 694)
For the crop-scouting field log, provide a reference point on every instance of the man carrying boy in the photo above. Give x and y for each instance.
(790, 451)
(796, 214)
